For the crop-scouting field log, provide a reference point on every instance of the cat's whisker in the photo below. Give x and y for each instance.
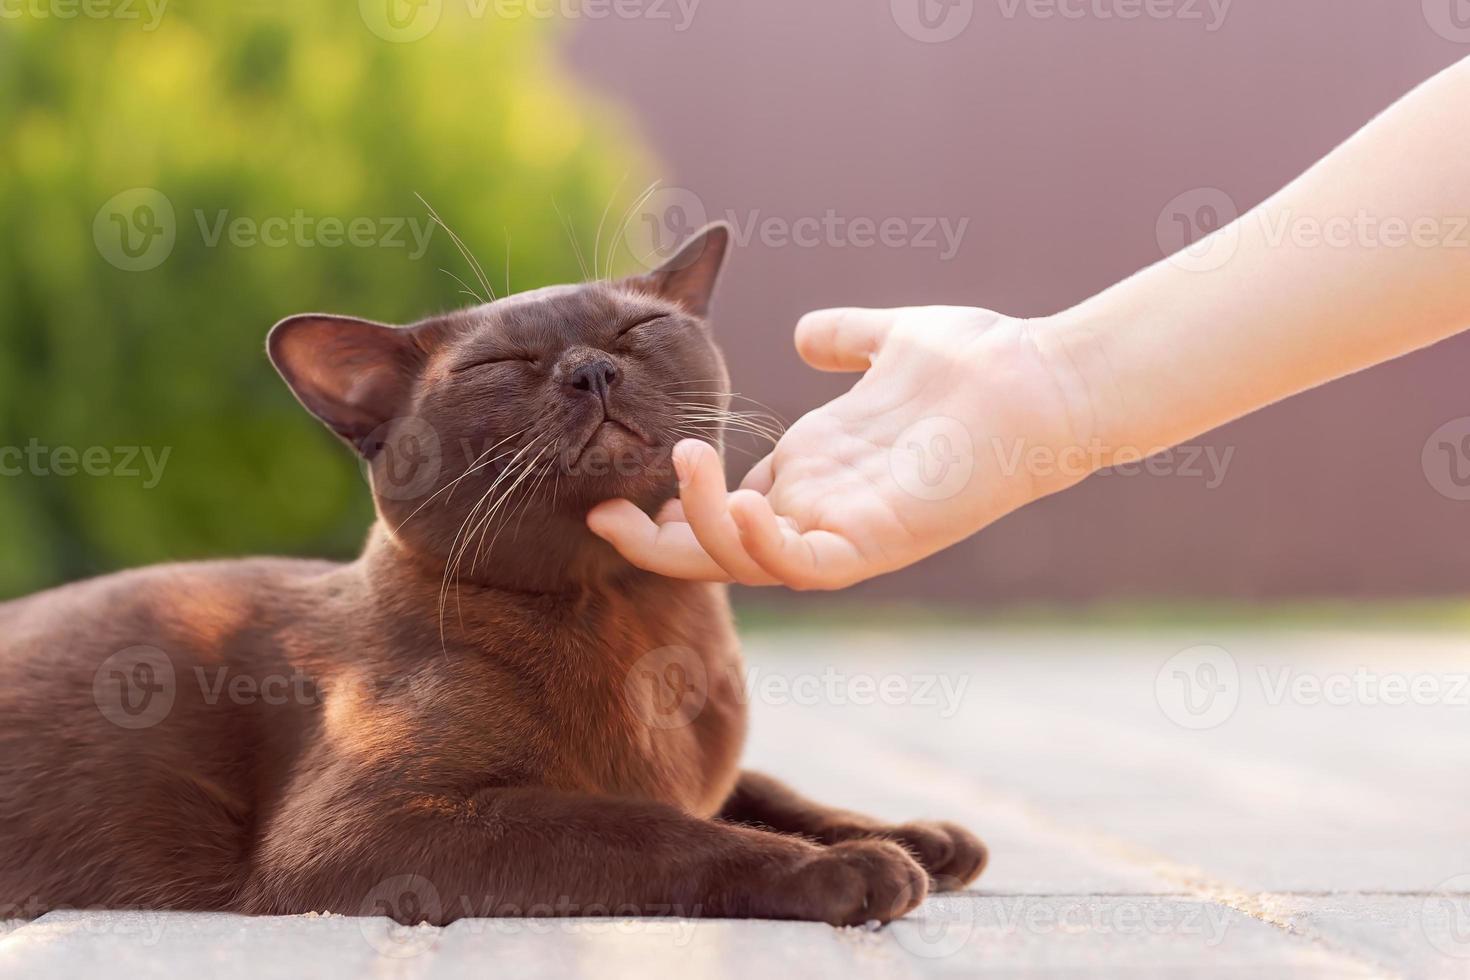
(730, 394)
(721, 435)
(506, 229)
(525, 460)
(766, 417)
(628, 216)
(715, 408)
(473, 468)
(464, 287)
(451, 567)
(572, 237)
(734, 424)
(511, 472)
(703, 435)
(459, 244)
(520, 512)
(597, 241)
(527, 468)
(448, 572)
(497, 510)
(766, 428)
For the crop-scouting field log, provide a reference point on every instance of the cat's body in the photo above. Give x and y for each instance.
(283, 678)
(432, 731)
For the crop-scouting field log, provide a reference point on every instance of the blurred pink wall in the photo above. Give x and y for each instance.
(1062, 139)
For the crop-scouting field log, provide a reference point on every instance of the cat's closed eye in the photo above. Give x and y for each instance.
(645, 321)
(489, 361)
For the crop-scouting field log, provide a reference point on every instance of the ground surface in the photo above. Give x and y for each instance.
(1275, 804)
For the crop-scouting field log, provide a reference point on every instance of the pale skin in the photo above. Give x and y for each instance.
(1264, 308)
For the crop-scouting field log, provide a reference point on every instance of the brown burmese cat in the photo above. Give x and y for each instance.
(279, 736)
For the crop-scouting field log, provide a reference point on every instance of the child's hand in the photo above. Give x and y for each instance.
(938, 439)
(965, 415)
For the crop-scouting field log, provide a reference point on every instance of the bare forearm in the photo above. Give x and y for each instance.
(1363, 258)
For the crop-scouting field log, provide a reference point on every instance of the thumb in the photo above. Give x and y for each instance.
(843, 339)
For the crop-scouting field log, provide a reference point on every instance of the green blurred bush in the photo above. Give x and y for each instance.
(255, 110)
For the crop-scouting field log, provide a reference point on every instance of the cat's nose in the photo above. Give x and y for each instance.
(597, 375)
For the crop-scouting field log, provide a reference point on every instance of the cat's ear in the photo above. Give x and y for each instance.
(354, 375)
(689, 278)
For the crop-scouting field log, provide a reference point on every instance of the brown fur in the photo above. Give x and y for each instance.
(424, 737)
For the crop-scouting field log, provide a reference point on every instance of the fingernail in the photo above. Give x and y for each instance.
(681, 469)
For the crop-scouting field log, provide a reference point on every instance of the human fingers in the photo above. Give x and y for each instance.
(799, 560)
(703, 494)
(669, 549)
(843, 339)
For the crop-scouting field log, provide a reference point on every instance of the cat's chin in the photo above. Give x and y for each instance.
(616, 438)
(617, 462)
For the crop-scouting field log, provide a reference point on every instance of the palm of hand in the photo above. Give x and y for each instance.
(907, 462)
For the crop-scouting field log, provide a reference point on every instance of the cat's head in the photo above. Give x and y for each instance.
(489, 432)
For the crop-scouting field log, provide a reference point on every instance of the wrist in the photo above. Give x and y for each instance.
(1074, 349)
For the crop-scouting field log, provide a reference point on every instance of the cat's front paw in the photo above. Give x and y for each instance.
(859, 881)
(952, 855)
